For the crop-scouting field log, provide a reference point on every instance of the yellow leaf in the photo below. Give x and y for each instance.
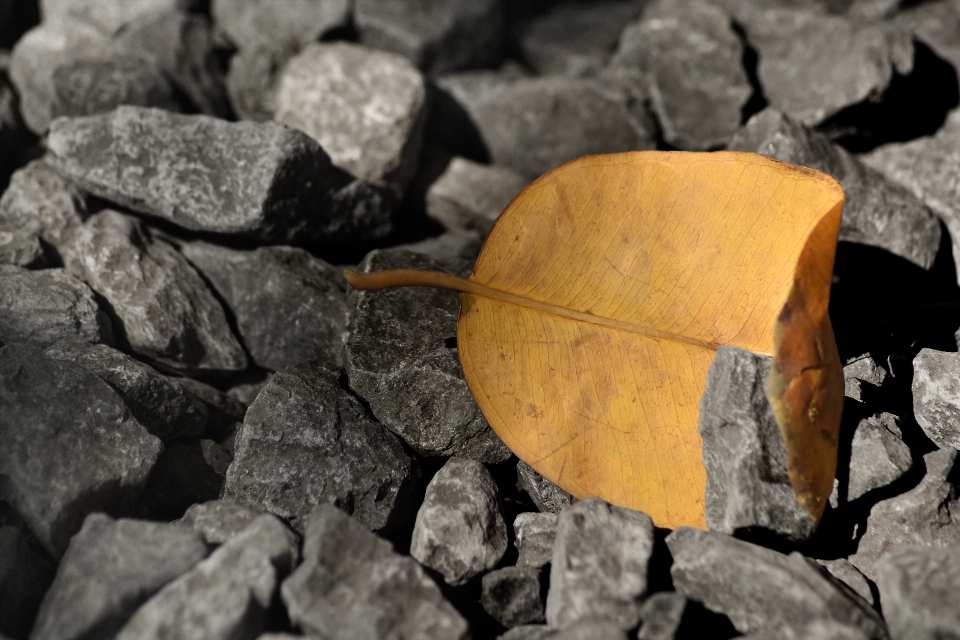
(599, 300)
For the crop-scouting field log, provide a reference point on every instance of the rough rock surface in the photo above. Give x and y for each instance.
(353, 586)
(936, 396)
(534, 535)
(110, 568)
(366, 108)
(26, 571)
(599, 567)
(587, 629)
(918, 589)
(744, 453)
(812, 630)
(845, 572)
(469, 195)
(106, 16)
(263, 180)
(660, 616)
(398, 359)
(20, 249)
(459, 530)
(548, 497)
(511, 595)
(41, 201)
(878, 456)
(860, 371)
(68, 445)
(307, 441)
(165, 311)
(757, 587)
(225, 596)
(279, 23)
(220, 520)
(45, 306)
(876, 212)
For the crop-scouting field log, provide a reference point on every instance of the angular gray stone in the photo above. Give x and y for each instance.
(353, 586)
(587, 629)
(936, 24)
(435, 36)
(41, 201)
(20, 249)
(685, 55)
(845, 572)
(165, 311)
(918, 587)
(398, 359)
(307, 441)
(813, 630)
(534, 535)
(110, 568)
(744, 453)
(220, 520)
(532, 125)
(458, 245)
(877, 212)
(878, 455)
(366, 108)
(511, 595)
(252, 80)
(26, 571)
(469, 195)
(289, 306)
(548, 497)
(279, 23)
(105, 15)
(459, 531)
(186, 473)
(660, 616)
(225, 412)
(68, 445)
(758, 588)
(936, 396)
(262, 180)
(225, 596)
(599, 568)
(860, 371)
(45, 306)
(922, 516)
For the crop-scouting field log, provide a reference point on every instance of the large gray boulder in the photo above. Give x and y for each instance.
(918, 587)
(936, 396)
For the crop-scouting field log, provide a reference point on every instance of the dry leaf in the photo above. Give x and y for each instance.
(601, 295)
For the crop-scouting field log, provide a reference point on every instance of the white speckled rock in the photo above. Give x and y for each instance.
(469, 195)
(936, 395)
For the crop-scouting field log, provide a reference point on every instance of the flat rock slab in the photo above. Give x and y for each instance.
(166, 312)
(511, 595)
(548, 497)
(307, 441)
(42, 202)
(110, 568)
(534, 536)
(352, 585)
(936, 396)
(279, 23)
(469, 195)
(69, 445)
(399, 359)
(918, 588)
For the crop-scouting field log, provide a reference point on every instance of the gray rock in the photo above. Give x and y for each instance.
(110, 568)
(660, 616)
(548, 497)
(398, 359)
(366, 108)
(459, 530)
(511, 595)
(289, 306)
(876, 212)
(936, 396)
(587, 629)
(45, 306)
(68, 445)
(353, 586)
(225, 596)
(860, 371)
(744, 453)
(252, 80)
(225, 412)
(936, 24)
(532, 125)
(845, 572)
(577, 39)
(307, 441)
(469, 195)
(262, 180)
(758, 588)
(534, 535)
(685, 55)
(279, 23)
(186, 473)
(20, 249)
(165, 311)
(106, 16)
(458, 245)
(599, 566)
(435, 36)
(919, 517)
(878, 456)
(26, 572)
(813, 630)
(918, 588)
(220, 520)
(42, 202)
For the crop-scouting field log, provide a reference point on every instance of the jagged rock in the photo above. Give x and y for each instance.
(186, 473)
(68, 445)
(534, 535)
(859, 371)
(307, 441)
(40, 201)
(660, 616)
(225, 596)
(599, 565)
(936, 396)
(876, 212)
(936, 24)
(458, 245)
(919, 517)
(918, 589)
(878, 456)
(289, 306)
(435, 36)
(366, 108)
(685, 55)
(110, 568)
(469, 195)
(20, 249)
(398, 359)
(45, 306)
(353, 586)
(813, 630)
(744, 453)
(26, 572)
(587, 629)
(759, 588)
(459, 530)
(511, 595)
(279, 23)
(105, 15)
(262, 180)
(845, 572)
(225, 412)
(165, 311)
(220, 520)
(548, 497)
